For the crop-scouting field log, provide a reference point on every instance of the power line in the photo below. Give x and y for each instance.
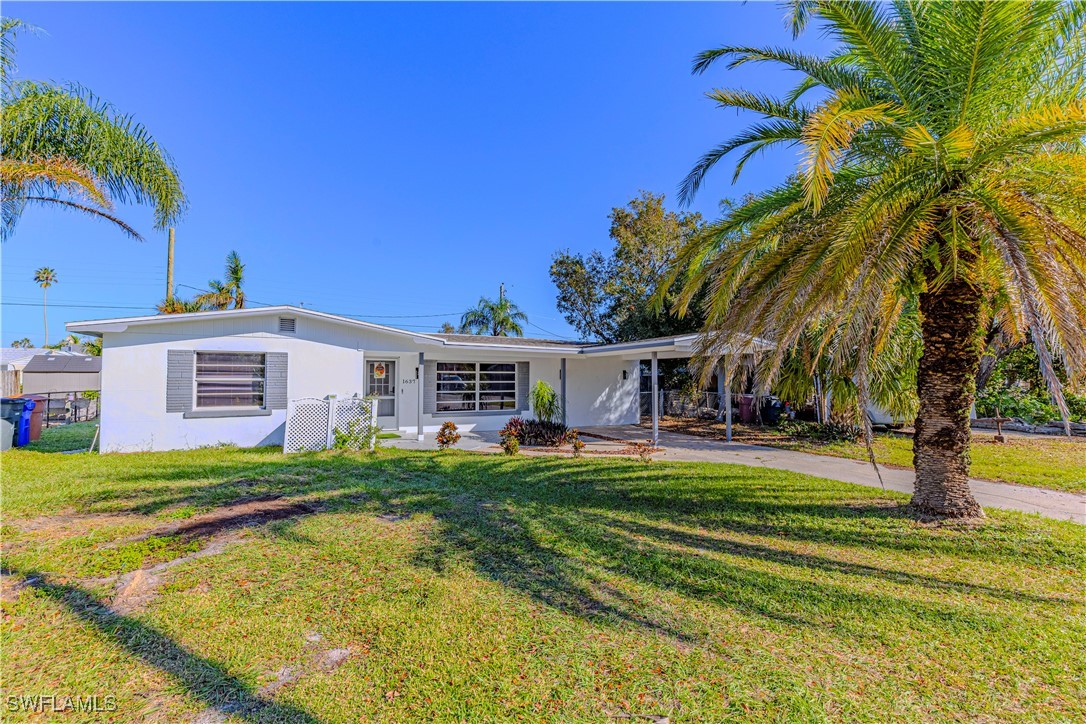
(72, 306)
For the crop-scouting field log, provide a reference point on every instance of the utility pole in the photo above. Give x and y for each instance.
(169, 268)
(501, 292)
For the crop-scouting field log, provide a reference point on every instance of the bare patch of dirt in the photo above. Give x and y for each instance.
(320, 660)
(71, 522)
(242, 514)
(11, 587)
(136, 589)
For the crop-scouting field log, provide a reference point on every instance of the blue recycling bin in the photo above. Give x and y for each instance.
(17, 411)
(23, 435)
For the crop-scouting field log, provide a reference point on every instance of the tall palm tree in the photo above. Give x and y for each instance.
(942, 164)
(45, 277)
(499, 318)
(228, 293)
(61, 146)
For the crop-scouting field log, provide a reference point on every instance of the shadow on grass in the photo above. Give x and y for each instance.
(582, 536)
(203, 679)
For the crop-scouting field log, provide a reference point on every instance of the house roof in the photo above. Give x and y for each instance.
(63, 363)
(8, 355)
(675, 346)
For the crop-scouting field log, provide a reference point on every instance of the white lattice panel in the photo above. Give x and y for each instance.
(358, 411)
(307, 425)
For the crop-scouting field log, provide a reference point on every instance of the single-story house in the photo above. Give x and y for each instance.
(186, 380)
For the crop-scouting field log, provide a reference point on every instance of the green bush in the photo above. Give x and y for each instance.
(545, 403)
(355, 436)
(819, 432)
(447, 436)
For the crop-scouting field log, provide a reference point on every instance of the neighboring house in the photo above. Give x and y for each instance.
(14, 359)
(48, 374)
(185, 380)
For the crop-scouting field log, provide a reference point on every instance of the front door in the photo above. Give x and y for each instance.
(381, 383)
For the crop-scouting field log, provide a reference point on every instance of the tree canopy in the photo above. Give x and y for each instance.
(63, 147)
(498, 318)
(942, 165)
(607, 298)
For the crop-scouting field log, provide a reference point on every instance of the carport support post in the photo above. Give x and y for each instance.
(720, 389)
(562, 377)
(421, 381)
(728, 402)
(655, 399)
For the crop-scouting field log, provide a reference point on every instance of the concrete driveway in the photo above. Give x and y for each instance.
(679, 447)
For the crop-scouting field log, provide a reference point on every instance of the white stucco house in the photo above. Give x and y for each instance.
(186, 380)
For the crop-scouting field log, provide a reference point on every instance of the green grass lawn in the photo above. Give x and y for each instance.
(76, 436)
(456, 586)
(1038, 461)
(1055, 463)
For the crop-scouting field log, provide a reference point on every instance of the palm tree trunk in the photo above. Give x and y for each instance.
(45, 313)
(946, 386)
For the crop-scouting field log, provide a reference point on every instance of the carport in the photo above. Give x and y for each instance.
(685, 347)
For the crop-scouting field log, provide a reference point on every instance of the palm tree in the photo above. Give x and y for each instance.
(447, 328)
(942, 164)
(45, 277)
(23, 343)
(174, 305)
(63, 146)
(499, 318)
(224, 294)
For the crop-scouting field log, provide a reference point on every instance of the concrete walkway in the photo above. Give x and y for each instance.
(680, 447)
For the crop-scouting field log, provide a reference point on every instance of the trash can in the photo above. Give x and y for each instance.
(40, 403)
(746, 408)
(17, 411)
(772, 409)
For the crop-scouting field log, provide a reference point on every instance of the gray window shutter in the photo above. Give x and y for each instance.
(180, 365)
(429, 388)
(275, 382)
(522, 386)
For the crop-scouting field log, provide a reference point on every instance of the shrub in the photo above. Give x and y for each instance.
(535, 432)
(447, 436)
(545, 403)
(355, 436)
(824, 432)
(510, 445)
(513, 428)
(545, 433)
(576, 443)
(643, 450)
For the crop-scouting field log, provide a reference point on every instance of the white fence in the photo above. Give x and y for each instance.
(315, 424)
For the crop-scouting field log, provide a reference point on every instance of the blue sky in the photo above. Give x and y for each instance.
(384, 160)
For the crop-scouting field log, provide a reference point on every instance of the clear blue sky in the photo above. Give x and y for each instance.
(378, 159)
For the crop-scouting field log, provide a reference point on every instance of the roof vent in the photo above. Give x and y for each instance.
(287, 325)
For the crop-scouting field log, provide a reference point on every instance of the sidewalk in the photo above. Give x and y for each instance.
(679, 447)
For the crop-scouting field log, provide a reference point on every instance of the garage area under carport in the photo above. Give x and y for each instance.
(685, 347)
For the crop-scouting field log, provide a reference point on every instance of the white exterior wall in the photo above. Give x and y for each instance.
(134, 416)
(323, 358)
(596, 394)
